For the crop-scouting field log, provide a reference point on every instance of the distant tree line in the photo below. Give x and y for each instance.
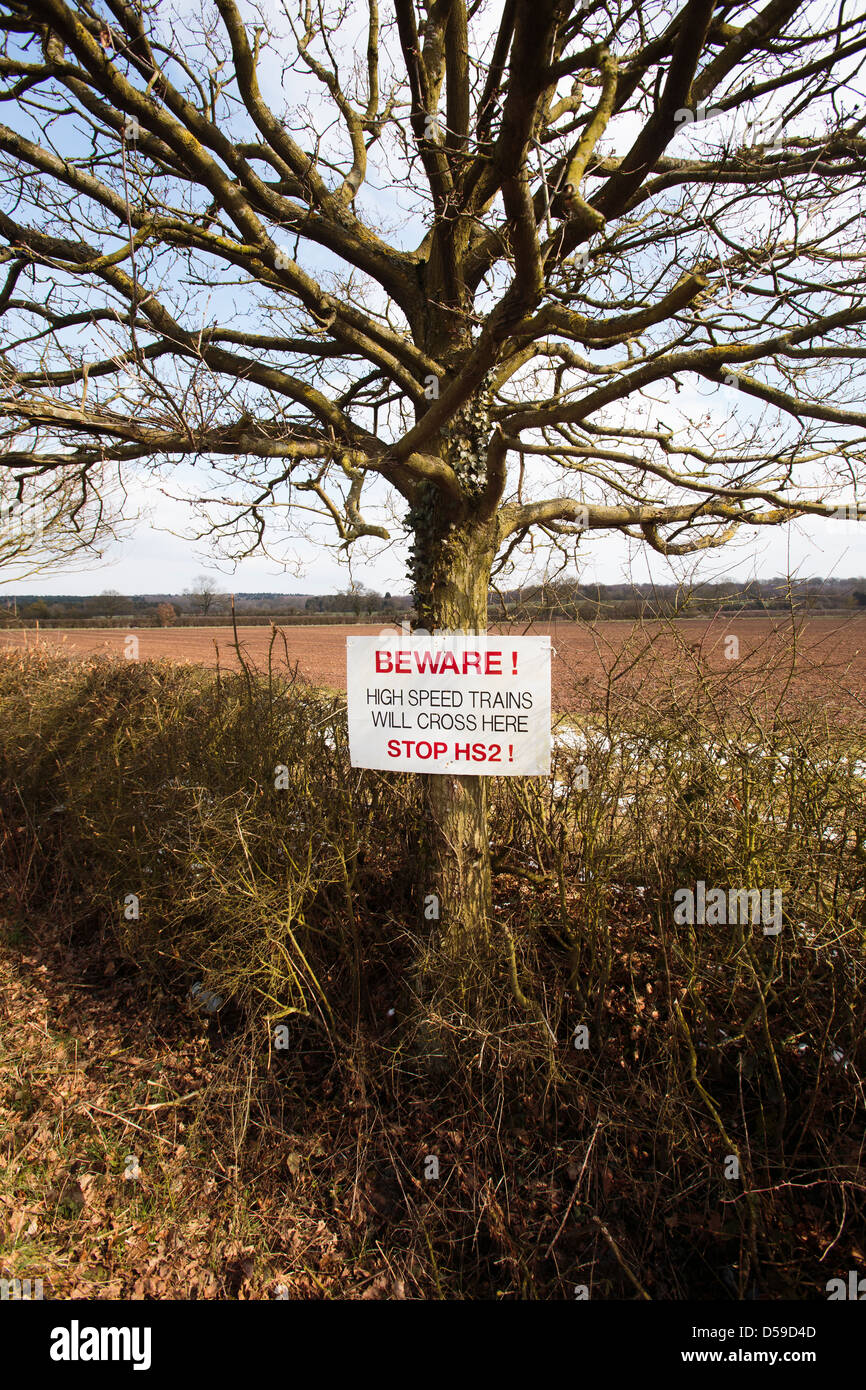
(562, 600)
(203, 603)
(567, 600)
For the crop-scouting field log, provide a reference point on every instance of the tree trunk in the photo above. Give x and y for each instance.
(452, 581)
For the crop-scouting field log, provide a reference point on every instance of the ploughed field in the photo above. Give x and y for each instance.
(765, 660)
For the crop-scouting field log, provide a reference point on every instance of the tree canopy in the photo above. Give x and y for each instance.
(554, 268)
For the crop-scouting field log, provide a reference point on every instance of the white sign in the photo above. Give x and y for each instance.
(476, 706)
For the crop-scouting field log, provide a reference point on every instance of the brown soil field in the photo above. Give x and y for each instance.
(816, 659)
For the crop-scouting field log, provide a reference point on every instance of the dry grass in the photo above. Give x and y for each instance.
(558, 1167)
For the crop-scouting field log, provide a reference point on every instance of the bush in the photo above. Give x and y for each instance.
(286, 881)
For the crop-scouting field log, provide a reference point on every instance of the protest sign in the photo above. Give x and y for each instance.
(450, 703)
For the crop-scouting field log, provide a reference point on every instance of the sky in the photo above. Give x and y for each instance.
(154, 557)
(155, 554)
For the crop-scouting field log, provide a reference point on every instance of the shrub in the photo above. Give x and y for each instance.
(267, 867)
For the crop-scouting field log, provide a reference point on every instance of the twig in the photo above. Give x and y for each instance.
(619, 1259)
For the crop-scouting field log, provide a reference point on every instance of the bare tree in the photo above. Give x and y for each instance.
(110, 602)
(51, 519)
(203, 596)
(523, 272)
